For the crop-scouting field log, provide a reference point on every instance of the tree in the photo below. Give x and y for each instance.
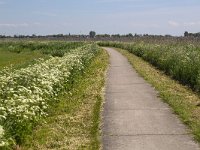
(92, 34)
(129, 35)
(186, 33)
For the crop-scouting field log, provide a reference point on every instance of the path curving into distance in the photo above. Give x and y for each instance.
(134, 118)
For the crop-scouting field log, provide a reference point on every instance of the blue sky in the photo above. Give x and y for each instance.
(43, 17)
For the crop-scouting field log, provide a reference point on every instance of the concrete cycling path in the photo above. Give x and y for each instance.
(134, 118)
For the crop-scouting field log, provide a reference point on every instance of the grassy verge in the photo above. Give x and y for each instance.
(74, 121)
(181, 98)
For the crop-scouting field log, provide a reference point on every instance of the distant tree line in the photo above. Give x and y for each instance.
(41, 36)
(93, 36)
(187, 34)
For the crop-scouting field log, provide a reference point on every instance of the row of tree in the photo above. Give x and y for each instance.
(187, 34)
(92, 34)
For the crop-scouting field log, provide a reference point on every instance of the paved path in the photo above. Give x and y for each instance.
(134, 118)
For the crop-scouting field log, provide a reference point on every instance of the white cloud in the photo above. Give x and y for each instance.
(190, 24)
(14, 25)
(173, 23)
(49, 14)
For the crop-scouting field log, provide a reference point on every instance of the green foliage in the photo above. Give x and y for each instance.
(45, 47)
(92, 34)
(57, 53)
(58, 48)
(179, 60)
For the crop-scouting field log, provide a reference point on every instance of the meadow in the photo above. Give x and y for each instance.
(22, 53)
(32, 75)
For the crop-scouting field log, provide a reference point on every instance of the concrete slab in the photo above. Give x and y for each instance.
(142, 121)
(149, 142)
(132, 101)
(134, 118)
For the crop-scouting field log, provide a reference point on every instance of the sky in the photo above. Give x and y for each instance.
(44, 17)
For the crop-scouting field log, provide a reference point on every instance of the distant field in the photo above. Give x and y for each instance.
(18, 60)
(21, 54)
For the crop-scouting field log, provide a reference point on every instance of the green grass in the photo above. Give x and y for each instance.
(23, 53)
(74, 121)
(181, 98)
(18, 60)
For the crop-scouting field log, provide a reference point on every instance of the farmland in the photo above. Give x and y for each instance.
(33, 74)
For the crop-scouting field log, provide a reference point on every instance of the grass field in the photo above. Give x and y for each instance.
(16, 60)
(23, 53)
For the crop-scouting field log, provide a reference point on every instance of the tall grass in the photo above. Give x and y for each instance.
(179, 60)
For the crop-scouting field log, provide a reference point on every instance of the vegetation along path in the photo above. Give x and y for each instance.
(134, 117)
